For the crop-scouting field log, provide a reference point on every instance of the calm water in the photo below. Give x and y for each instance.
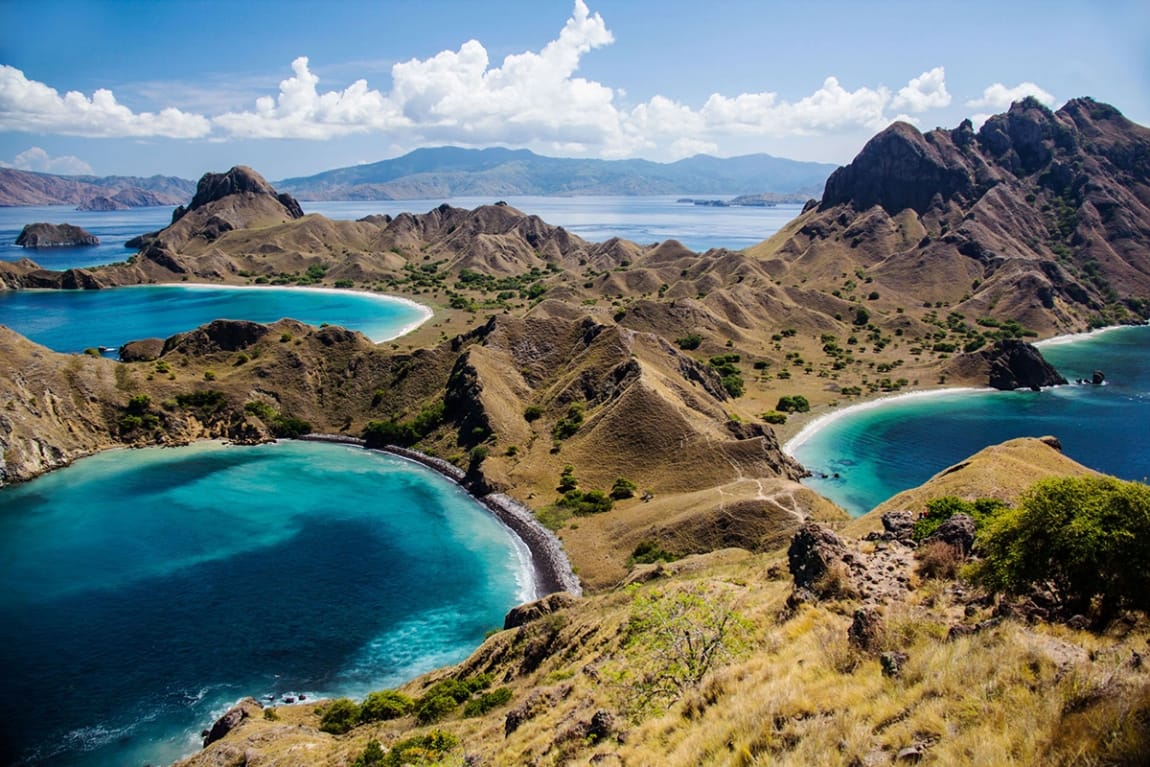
(884, 448)
(642, 219)
(147, 590)
(73, 320)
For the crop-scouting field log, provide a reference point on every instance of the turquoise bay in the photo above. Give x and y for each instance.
(146, 590)
(73, 320)
(864, 455)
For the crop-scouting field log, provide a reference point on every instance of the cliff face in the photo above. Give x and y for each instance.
(1040, 216)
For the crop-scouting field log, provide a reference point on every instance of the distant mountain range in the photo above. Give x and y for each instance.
(445, 172)
(21, 188)
(454, 172)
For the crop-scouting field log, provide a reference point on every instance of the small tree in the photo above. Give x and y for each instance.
(339, 716)
(623, 488)
(385, 704)
(1085, 539)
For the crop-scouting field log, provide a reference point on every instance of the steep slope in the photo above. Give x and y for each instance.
(1040, 217)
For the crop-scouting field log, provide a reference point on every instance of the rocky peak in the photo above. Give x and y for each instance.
(1024, 139)
(900, 168)
(239, 180)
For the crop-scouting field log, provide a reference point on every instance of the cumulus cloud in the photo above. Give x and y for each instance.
(533, 99)
(927, 91)
(38, 160)
(31, 106)
(999, 96)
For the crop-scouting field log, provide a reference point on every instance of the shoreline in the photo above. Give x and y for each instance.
(828, 416)
(551, 569)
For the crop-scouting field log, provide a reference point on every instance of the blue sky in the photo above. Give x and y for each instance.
(181, 87)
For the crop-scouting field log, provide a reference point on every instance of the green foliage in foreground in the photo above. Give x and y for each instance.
(443, 697)
(1086, 539)
(941, 509)
(418, 751)
(673, 640)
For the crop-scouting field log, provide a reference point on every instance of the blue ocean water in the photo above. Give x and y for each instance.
(866, 454)
(147, 590)
(114, 228)
(644, 220)
(73, 320)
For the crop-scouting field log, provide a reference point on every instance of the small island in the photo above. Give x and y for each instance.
(44, 235)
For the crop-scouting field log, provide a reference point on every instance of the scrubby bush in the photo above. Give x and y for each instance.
(1086, 539)
(582, 503)
(795, 403)
(774, 417)
(649, 552)
(689, 342)
(623, 488)
(532, 413)
(941, 509)
(939, 559)
(567, 426)
(339, 716)
(487, 701)
(385, 704)
(420, 750)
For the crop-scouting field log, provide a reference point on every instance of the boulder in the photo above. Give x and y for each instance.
(814, 550)
(1097, 378)
(866, 629)
(145, 350)
(892, 663)
(44, 235)
(898, 525)
(958, 531)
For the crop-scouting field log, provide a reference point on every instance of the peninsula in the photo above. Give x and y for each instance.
(649, 384)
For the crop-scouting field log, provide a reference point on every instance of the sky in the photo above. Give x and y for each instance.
(292, 88)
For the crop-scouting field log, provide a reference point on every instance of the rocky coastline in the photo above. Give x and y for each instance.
(551, 567)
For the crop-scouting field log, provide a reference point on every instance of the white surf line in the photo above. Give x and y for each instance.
(824, 420)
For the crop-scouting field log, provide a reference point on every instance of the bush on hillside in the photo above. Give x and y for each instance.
(339, 716)
(385, 704)
(1085, 539)
(941, 509)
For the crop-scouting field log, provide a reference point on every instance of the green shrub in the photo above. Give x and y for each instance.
(420, 750)
(486, 702)
(372, 756)
(649, 552)
(795, 403)
(385, 704)
(775, 417)
(582, 503)
(207, 401)
(623, 488)
(567, 480)
(429, 710)
(339, 716)
(532, 413)
(139, 404)
(689, 342)
(941, 509)
(567, 426)
(1087, 539)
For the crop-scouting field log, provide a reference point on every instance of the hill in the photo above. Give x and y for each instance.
(18, 187)
(437, 173)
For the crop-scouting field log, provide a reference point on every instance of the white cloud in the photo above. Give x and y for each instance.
(38, 160)
(999, 96)
(30, 106)
(927, 91)
(300, 111)
(534, 99)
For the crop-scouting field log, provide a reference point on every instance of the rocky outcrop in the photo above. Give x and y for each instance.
(240, 180)
(246, 708)
(45, 235)
(1013, 364)
(533, 611)
(814, 553)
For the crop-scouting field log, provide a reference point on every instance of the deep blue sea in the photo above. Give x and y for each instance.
(144, 591)
(884, 447)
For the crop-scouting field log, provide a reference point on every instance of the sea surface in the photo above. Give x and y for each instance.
(863, 455)
(145, 591)
(74, 320)
(644, 220)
